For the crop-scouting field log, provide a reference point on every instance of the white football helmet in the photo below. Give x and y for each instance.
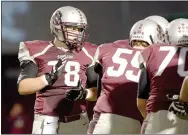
(132, 29)
(67, 16)
(177, 31)
(148, 31)
(162, 22)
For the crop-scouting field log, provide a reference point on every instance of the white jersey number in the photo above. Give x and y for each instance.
(181, 61)
(70, 72)
(123, 64)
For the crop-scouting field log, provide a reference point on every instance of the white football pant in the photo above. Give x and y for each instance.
(44, 124)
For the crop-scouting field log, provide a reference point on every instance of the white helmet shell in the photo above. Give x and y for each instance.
(177, 31)
(132, 29)
(160, 20)
(148, 31)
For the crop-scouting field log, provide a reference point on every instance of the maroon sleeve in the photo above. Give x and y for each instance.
(29, 49)
(144, 56)
(123, 42)
(97, 57)
(24, 53)
(91, 48)
(37, 46)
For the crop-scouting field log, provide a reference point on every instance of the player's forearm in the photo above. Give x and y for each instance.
(91, 94)
(141, 104)
(184, 90)
(31, 85)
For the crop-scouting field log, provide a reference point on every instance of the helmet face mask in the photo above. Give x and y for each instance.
(68, 25)
(74, 35)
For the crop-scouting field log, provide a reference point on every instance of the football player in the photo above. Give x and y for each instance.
(163, 69)
(179, 103)
(115, 111)
(50, 68)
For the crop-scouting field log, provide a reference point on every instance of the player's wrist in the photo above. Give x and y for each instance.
(185, 104)
(48, 79)
(84, 94)
(44, 79)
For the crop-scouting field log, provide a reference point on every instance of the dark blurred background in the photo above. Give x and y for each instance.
(108, 21)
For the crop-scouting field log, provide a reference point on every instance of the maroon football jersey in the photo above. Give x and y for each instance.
(120, 69)
(167, 65)
(51, 101)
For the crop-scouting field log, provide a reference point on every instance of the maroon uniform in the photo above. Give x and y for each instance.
(167, 65)
(51, 101)
(120, 77)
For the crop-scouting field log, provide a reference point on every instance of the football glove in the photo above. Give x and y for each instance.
(177, 106)
(76, 93)
(56, 71)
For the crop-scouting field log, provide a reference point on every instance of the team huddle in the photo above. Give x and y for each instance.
(131, 86)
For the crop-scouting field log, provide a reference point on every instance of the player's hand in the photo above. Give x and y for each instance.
(76, 93)
(56, 71)
(177, 106)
